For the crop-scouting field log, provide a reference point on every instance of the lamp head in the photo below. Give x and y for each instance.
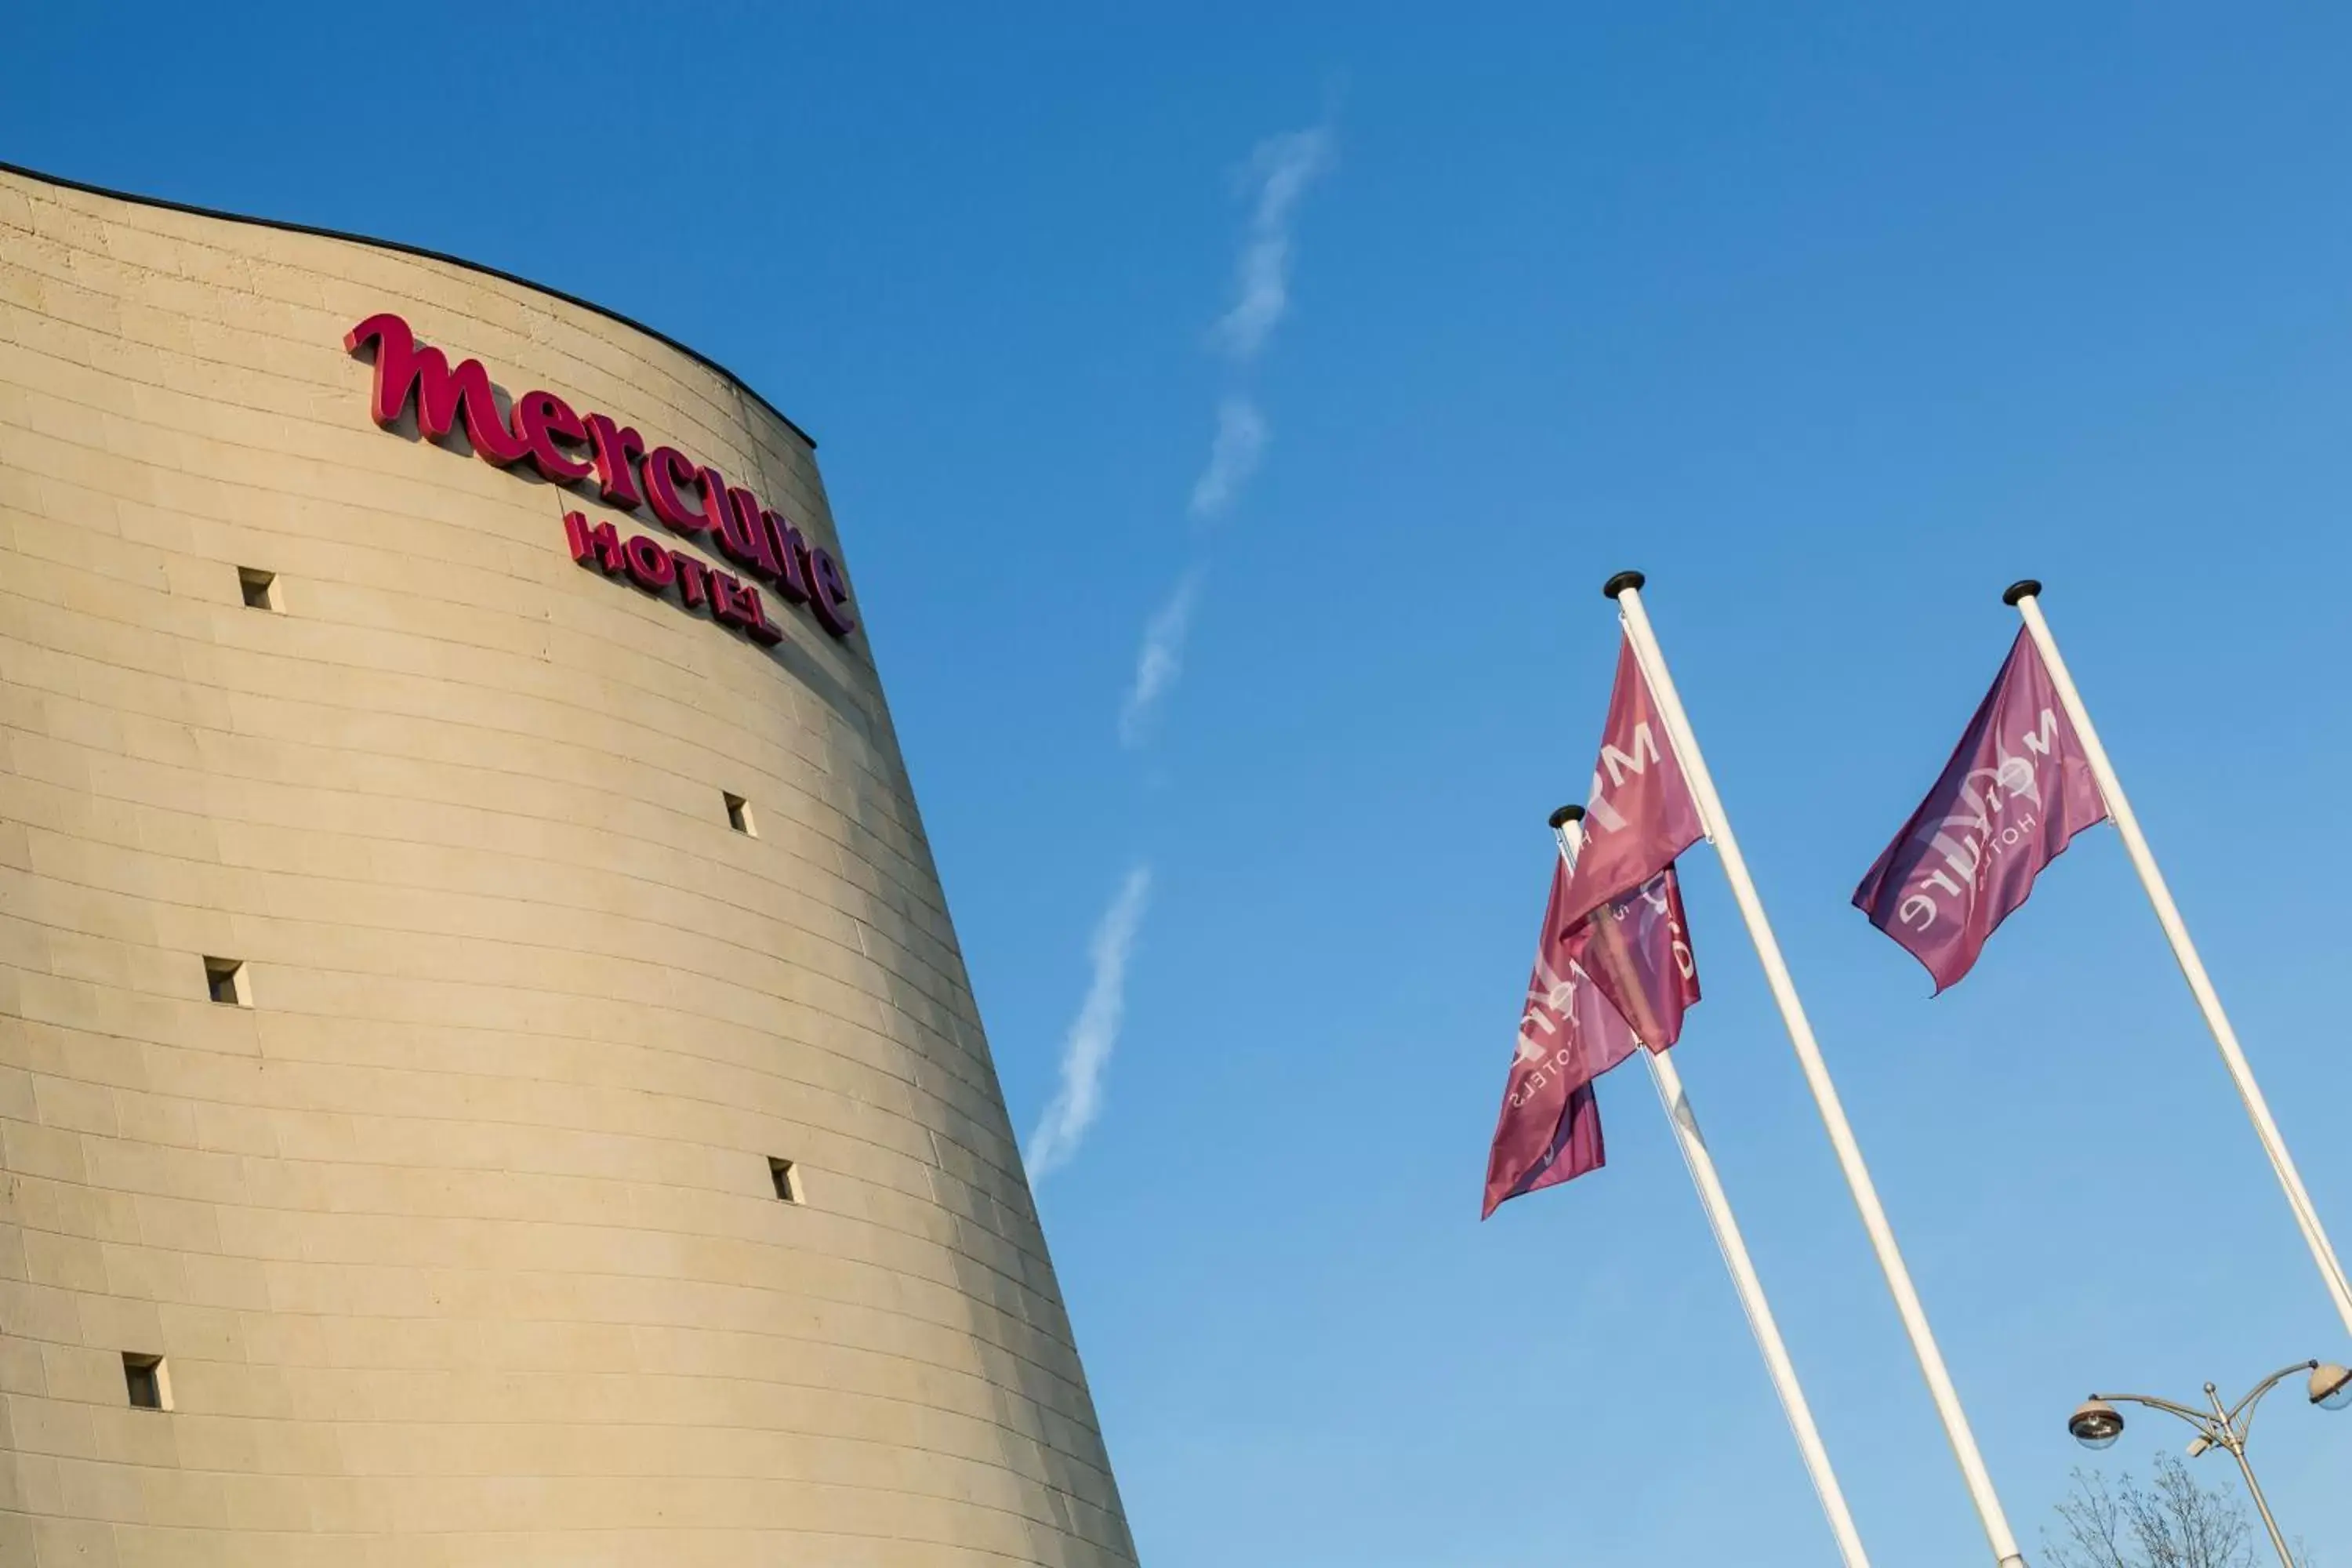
(2331, 1386)
(2095, 1424)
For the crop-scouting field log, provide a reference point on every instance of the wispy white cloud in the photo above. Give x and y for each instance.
(1279, 172)
(1235, 453)
(1086, 1052)
(1161, 660)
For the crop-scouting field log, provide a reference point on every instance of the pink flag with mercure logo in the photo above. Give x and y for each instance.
(1574, 1028)
(1640, 814)
(1613, 968)
(1549, 1129)
(2018, 788)
(1637, 950)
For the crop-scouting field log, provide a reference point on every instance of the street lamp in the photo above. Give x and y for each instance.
(2331, 1386)
(2096, 1424)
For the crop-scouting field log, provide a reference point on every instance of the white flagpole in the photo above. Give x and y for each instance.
(2027, 598)
(1625, 588)
(1567, 827)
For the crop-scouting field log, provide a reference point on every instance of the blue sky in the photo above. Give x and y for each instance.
(1832, 322)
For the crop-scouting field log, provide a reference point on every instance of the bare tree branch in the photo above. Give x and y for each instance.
(2171, 1522)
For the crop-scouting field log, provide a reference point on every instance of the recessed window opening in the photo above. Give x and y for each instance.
(149, 1385)
(224, 980)
(787, 1177)
(738, 816)
(259, 587)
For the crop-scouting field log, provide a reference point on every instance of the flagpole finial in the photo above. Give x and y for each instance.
(2024, 588)
(1566, 814)
(1620, 582)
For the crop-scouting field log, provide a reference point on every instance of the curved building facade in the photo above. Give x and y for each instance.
(486, 1076)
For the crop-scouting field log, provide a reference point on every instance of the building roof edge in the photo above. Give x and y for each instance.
(655, 332)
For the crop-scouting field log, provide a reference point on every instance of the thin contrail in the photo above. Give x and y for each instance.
(1094, 1033)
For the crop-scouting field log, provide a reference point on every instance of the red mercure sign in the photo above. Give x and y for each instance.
(567, 448)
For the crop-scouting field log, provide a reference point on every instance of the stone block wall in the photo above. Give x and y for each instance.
(452, 1216)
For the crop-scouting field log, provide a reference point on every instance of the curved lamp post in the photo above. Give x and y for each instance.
(2096, 1424)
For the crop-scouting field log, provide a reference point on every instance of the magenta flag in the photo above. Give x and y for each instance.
(1549, 1130)
(1614, 948)
(1571, 1031)
(1637, 950)
(2017, 790)
(1640, 815)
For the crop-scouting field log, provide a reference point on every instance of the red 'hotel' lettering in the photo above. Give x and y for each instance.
(566, 447)
(650, 566)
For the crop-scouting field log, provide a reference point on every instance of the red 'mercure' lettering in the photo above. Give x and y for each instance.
(548, 432)
(790, 549)
(543, 419)
(737, 528)
(831, 598)
(405, 370)
(617, 449)
(666, 469)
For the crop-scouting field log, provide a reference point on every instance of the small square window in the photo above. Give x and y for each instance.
(224, 980)
(260, 588)
(149, 1385)
(738, 817)
(787, 1178)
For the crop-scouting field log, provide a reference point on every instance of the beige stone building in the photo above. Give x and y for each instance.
(486, 1076)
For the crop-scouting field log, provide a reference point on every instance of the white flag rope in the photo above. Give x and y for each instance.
(1625, 588)
(2027, 597)
(1700, 1163)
